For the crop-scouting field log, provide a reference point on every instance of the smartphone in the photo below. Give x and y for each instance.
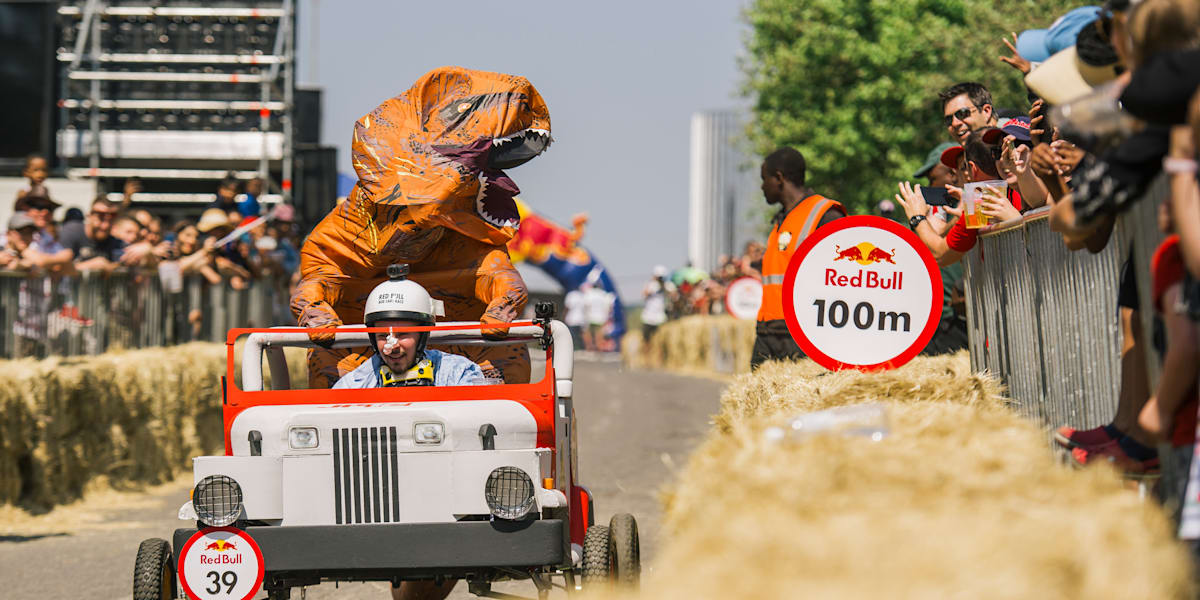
(937, 196)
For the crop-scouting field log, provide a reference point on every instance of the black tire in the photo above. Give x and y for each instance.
(154, 571)
(596, 560)
(624, 551)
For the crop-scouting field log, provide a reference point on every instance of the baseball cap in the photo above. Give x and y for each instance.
(1066, 77)
(20, 221)
(932, 159)
(1017, 127)
(949, 157)
(1038, 45)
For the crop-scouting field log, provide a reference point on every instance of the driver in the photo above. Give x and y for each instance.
(401, 359)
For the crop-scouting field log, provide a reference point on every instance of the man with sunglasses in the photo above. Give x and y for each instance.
(93, 247)
(966, 107)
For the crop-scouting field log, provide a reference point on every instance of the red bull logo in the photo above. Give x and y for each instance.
(865, 253)
(221, 546)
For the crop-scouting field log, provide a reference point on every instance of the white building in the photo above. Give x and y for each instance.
(724, 192)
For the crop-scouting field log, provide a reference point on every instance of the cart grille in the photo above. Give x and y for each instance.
(366, 487)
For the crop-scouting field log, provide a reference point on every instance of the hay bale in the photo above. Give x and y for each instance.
(692, 344)
(961, 499)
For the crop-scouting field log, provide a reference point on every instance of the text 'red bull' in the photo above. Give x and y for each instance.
(221, 559)
(864, 279)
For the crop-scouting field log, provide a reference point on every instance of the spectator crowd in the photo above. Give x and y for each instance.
(233, 241)
(1113, 105)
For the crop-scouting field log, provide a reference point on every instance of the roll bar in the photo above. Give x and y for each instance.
(272, 343)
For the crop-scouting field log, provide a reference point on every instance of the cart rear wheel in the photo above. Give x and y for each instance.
(154, 573)
(624, 550)
(596, 560)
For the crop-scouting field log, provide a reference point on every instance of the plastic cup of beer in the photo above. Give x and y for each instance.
(973, 197)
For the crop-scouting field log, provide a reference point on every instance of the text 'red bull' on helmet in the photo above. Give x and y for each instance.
(399, 299)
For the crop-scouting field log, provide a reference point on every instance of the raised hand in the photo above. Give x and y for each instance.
(1015, 61)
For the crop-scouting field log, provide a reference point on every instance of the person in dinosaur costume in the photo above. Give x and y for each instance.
(432, 193)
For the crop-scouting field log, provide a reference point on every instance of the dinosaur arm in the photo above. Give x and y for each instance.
(316, 294)
(500, 286)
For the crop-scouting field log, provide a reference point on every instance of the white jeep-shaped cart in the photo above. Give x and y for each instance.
(403, 483)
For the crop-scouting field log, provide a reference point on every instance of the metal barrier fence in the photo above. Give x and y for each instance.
(92, 312)
(1045, 318)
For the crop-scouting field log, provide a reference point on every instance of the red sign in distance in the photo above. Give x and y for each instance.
(863, 293)
(220, 562)
(743, 298)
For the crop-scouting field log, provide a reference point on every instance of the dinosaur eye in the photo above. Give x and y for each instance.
(464, 107)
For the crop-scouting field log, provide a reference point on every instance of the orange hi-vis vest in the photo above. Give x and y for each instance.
(782, 243)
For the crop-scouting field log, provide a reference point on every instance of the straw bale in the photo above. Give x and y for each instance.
(124, 417)
(690, 343)
(961, 500)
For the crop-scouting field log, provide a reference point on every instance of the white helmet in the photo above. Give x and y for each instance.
(399, 299)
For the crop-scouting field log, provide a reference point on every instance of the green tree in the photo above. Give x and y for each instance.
(853, 83)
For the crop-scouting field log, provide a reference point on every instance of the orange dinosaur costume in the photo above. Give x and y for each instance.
(430, 193)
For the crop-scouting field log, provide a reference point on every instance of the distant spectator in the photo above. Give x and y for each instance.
(214, 224)
(886, 209)
(656, 295)
(35, 173)
(192, 256)
(227, 195)
(40, 208)
(136, 251)
(575, 317)
(93, 246)
(72, 225)
(43, 256)
(249, 206)
(599, 310)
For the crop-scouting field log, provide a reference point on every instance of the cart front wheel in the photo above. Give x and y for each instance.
(596, 560)
(154, 573)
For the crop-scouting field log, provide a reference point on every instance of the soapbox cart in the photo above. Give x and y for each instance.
(402, 483)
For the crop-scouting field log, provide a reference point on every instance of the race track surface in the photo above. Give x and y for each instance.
(636, 429)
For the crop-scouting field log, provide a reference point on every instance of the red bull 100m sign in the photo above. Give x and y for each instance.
(862, 293)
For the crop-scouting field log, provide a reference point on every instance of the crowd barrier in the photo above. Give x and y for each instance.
(89, 313)
(1045, 319)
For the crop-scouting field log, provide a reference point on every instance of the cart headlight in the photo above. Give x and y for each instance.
(302, 438)
(428, 433)
(509, 492)
(217, 500)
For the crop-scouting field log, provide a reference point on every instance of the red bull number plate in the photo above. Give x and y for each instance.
(863, 293)
(220, 562)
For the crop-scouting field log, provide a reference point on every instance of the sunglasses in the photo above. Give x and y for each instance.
(960, 114)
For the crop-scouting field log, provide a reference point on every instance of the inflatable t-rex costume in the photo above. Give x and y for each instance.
(430, 193)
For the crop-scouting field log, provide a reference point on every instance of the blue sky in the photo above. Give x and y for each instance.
(622, 80)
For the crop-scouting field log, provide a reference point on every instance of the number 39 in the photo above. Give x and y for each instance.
(228, 578)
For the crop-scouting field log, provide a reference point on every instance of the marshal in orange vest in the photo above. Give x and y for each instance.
(785, 237)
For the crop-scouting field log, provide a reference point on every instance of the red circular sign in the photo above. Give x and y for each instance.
(862, 261)
(227, 562)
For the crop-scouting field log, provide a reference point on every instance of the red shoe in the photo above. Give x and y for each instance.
(1068, 437)
(1114, 454)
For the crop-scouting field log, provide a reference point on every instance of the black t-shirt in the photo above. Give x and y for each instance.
(85, 248)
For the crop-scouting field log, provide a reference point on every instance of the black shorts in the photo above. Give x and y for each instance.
(772, 341)
(648, 331)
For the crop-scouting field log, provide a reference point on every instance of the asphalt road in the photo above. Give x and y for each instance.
(636, 428)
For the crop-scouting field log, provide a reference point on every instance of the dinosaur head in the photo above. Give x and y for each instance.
(434, 156)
